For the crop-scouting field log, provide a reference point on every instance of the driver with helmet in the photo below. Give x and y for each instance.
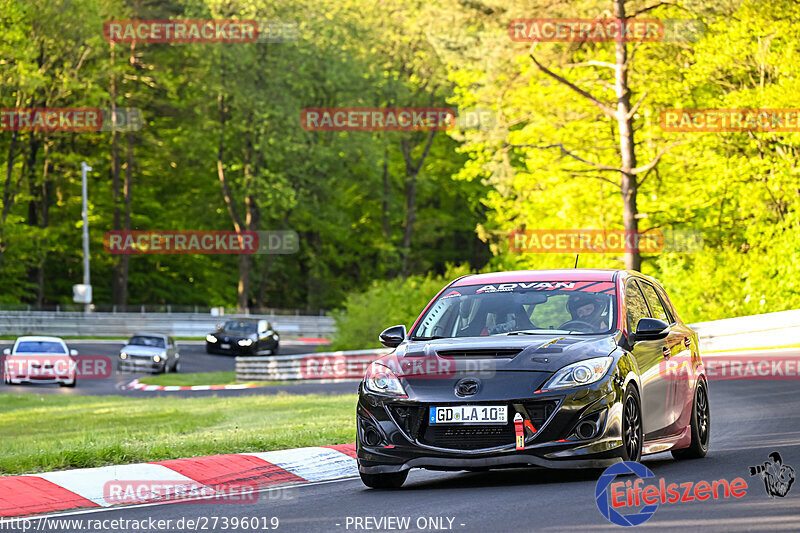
(588, 308)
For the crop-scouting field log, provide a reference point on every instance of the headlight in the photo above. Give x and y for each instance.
(580, 373)
(123, 355)
(245, 342)
(382, 380)
(156, 358)
(211, 338)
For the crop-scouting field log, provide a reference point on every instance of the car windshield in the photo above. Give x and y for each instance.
(233, 326)
(524, 308)
(143, 340)
(40, 347)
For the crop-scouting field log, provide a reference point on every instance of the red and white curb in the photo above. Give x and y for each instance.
(135, 385)
(87, 487)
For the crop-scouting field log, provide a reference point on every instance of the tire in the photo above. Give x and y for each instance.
(70, 385)
(393, 480)
(701, 425)
(632, 436)
(177, 367)
(275, 349)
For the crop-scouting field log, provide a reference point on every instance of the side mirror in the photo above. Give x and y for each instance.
(650, 329)
(393, 336)
(7, 351)
(73, 352)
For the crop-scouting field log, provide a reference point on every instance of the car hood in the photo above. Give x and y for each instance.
(507, 366)
(40, 355)
(135, 349)
(229, 336)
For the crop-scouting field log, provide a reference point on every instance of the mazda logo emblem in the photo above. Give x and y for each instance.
(467, 386)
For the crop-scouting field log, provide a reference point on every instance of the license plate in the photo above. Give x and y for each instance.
(225, 346)
(469, 414)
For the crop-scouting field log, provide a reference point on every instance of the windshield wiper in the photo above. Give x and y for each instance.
(433, 337)
(536, 332)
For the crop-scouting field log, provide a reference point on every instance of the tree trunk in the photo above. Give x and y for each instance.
(116, 271)
(127, 193)
(411, 218)
(633, 260)
(387, 191)
(262, 285)
(8, 194)
(243, 290)
(44, 212)
(127, 196)
(412, 171)
(244, 269)
(35, 205)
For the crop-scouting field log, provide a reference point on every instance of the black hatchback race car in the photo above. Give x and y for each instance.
(559, 368)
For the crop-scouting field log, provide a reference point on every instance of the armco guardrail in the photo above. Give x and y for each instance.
(123, 324)
(759, 331)
(756, 331)
(312, 366)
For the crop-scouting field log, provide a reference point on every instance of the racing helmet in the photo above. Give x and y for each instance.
(578, 300)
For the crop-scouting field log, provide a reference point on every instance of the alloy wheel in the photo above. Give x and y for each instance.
(632, 427)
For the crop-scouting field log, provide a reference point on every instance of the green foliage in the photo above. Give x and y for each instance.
(330, 187)
(739, 191)
(384, 304)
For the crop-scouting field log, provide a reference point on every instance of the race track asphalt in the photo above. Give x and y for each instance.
(750, 419)
(193, 359)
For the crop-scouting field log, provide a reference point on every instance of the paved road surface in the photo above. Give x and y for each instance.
(193, 359)
(750, 419)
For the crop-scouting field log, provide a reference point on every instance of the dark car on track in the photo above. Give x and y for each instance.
(244, 336)
(557, 368)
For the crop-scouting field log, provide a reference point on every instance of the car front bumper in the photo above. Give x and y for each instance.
(140, 364)
(388, 442)
(22, 380)
(234, 349)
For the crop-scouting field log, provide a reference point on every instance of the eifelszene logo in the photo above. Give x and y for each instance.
(615, 496)
(778, 477)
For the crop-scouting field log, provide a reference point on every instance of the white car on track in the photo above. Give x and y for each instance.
(40, 360)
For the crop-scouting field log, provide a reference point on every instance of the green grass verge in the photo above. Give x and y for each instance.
(52, 432)
(201, 378)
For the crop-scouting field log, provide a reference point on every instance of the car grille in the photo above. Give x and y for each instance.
(413, 420)
(468, 437)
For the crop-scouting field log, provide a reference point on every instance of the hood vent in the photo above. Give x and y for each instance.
(483, 353)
